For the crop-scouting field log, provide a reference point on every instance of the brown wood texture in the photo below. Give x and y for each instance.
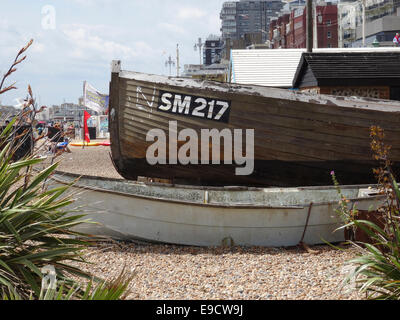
(310, 133)
(292, 131)
(383, 92)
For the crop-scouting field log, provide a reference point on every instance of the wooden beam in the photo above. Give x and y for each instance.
(309, 39)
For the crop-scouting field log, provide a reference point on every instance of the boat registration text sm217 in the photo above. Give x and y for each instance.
(193, 106)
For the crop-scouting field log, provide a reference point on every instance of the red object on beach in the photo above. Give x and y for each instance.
(105, 143)
(85, 126)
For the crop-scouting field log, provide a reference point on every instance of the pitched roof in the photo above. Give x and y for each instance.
(277, 67)
(272, 68)
(350, 68)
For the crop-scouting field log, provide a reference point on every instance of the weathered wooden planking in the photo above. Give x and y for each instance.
(297, 137)
(327, 117)
(336, 148)
(364, 108)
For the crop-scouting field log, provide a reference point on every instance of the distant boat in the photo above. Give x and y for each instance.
(299, 138)
(213, 216)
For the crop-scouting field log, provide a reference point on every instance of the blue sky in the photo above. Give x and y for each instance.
(87, 34)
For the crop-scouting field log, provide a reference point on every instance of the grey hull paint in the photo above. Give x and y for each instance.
(203, 216)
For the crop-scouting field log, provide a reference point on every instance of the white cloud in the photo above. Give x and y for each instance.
(190, 13)
(91, 33)
(172, 27)
(38, 47)
(86, 43)
(88, 3)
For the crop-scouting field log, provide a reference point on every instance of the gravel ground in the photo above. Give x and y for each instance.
(182, 272)
(92, 161)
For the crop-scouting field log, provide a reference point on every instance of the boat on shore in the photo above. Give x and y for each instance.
(299, 138)
(212, 216)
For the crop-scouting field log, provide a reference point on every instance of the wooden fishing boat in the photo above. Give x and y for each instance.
(213, 216)
(299, 138)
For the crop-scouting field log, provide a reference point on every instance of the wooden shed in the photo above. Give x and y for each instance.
(363, 74)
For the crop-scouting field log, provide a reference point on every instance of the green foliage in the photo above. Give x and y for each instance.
(116, 289)
(36, 226)
(346, 214)
(31, 223)
(36, 230)
(376, 270)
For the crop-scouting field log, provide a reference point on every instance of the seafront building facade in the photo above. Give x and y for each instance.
(289, 30)
(380, 23)
(70, 112)
(248, 17)
(337, 24)
(274, 24)
(212, 50)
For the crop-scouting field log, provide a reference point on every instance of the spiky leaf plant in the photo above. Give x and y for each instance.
(115, 289)
(376, 270)
(31, 223)
(36, 226)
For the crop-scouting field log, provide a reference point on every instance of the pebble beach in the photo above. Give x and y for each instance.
(170, 272)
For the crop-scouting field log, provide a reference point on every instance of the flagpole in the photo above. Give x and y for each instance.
(93, 100)
(83, 115)
(83, 132)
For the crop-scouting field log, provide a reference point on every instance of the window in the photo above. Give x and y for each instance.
(329, 34)
(328, 22)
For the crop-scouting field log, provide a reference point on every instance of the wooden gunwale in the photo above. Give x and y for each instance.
(363, 106)
(74, 176)
(330, 114)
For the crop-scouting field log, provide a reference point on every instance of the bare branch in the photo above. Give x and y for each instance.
(12, 69)
(8, 88)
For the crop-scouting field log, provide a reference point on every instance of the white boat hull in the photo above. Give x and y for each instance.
(226, 219)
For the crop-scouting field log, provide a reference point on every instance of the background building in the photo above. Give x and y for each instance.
(214, 72)
(378, 25)
(289, 30)
(212, 50)
(380, 31)
(349, 14)
(69, 112)
(378, 76)
(248, 17)
(228, 20)
(278, 67)
(6, 112)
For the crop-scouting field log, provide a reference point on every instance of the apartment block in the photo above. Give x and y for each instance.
(290, 30)
(239, 18)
